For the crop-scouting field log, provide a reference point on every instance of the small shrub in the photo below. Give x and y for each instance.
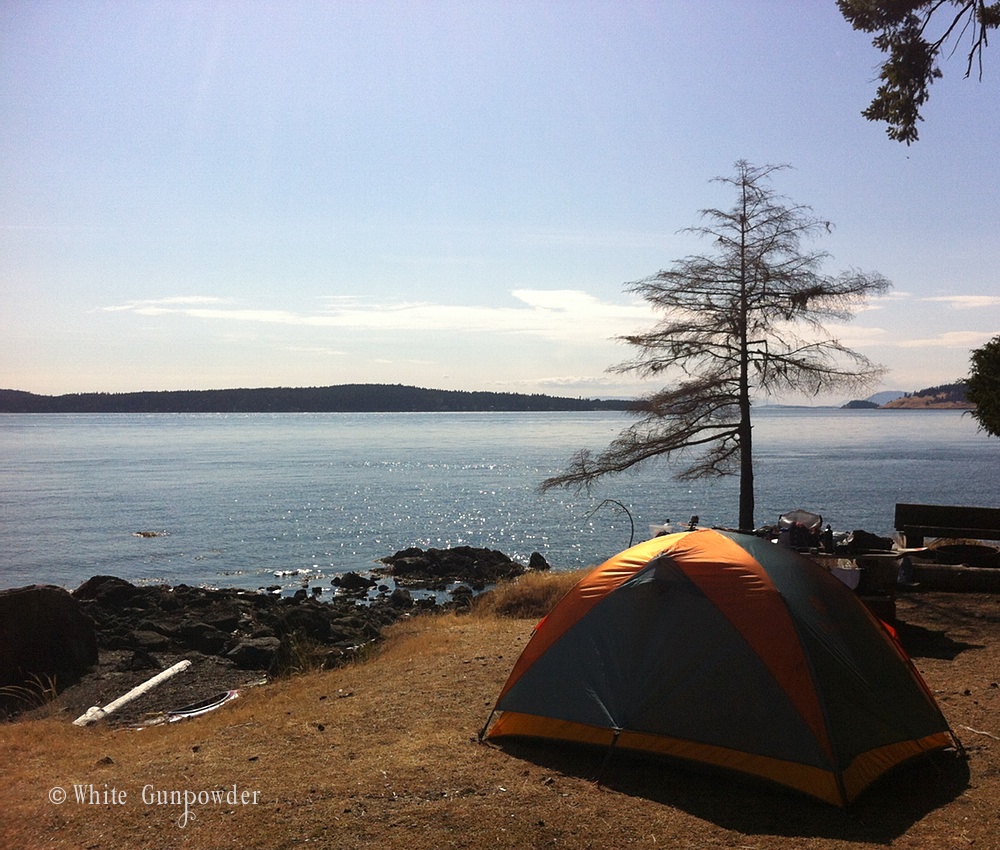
(297, 654)
(39, 690)
(531, 595)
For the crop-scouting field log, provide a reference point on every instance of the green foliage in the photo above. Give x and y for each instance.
(944, 392)
(901, 29)
(984, 386)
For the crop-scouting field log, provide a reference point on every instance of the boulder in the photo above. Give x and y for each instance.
(139, 660)
(146, 640)
(538, 562)
(312, 620)
(202, 637)
(108, 591)
(478, 567)
(45, 639)
(254, 653)
(353, 582)
(401, 598)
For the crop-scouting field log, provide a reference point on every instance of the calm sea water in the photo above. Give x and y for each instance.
(238, 498)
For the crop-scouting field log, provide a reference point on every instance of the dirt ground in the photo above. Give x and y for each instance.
(383, 753)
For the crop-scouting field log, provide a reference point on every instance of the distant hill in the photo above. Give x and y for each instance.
(886, 396)
(944, 397)
(345, 398)
(873, 401)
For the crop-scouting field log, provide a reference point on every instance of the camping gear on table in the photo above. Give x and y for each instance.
(800, 529)
(727, 650)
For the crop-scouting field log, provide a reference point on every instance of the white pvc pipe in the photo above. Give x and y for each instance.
(95, 713)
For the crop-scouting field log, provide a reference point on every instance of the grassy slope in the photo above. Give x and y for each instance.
(383, 754)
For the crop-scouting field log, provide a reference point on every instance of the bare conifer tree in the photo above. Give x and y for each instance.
(745, 321)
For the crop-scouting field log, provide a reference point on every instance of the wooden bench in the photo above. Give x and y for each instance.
(914, 522)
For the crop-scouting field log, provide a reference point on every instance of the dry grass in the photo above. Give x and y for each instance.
(531, 595)
(383, 754)
(37, 692)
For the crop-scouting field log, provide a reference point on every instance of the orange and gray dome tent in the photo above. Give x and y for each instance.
(726, 650)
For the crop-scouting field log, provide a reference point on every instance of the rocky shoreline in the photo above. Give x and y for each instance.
(76, 649)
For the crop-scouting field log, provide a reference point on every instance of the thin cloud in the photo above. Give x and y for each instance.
(317, 349)
(967, 302)
(158, 306)
(560, 314)
(951, 339)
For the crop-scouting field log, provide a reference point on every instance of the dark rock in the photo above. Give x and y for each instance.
(412, 565)
(460, 563)
(223, 614)
(244, 628)
(202, 637)
(401, 598)
(311, 620)
(538, 562)
(166, 627)
(462, 597)
(254, 653)
(139, 660)
(169, 602)
(109, 591)
(146, 640)
(45, 637)
(353, 582)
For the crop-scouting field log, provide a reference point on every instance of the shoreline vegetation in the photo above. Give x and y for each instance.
(389, 398)
(344, 398)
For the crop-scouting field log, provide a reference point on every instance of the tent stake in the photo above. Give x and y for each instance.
(482, 732)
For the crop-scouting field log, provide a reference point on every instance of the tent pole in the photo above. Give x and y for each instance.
(607, 758)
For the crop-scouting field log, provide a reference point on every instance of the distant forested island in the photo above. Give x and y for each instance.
(943, 397)
(345, 398)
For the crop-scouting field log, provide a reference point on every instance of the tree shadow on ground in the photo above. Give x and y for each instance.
(931, 639)
(883, 813)
(921, 642)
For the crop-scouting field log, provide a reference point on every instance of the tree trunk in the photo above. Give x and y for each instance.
(746, 469)
(746, 429)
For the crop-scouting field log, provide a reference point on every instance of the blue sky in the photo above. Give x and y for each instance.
(450, 194)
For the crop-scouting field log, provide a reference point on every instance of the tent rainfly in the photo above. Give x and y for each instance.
(727, 650)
